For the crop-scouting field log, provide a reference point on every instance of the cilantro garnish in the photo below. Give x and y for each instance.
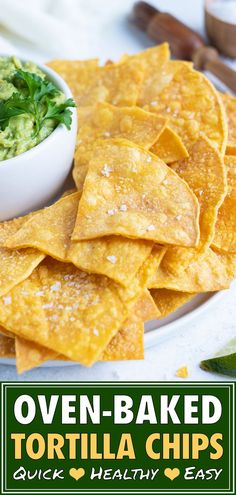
(36, 98)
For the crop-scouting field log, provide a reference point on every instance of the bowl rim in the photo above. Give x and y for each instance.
(63, 86)
(215, 16)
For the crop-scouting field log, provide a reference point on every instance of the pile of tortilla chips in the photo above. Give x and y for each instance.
(151, 223)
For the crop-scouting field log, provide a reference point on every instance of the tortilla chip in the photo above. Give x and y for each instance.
(50, 231)
(139, 197)
(231, 149)
(229, 262)
(30, 355)
(127, 344)
(116, 257)
(169, 301)
(68, 192)
(67, 310)
(169, 147)
(225, 232)
(158, 71)
(205, 173)
(150, 266)
(209, 273)
(107, 121)
(155, 61)
(145, 308)
(15, 266)
(5, 332)
(7, 347)
(77, 73)
(118, 84)
(193, 106)
(230, 107)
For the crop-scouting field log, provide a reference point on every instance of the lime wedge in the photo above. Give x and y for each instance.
(225, 365)
(224, 362)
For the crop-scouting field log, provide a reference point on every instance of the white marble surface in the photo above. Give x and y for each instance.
(103, 31)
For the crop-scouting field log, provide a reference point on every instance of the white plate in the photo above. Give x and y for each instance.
(157, 331)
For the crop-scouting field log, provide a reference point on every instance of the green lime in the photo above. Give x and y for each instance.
(225, 365)
(224, 362)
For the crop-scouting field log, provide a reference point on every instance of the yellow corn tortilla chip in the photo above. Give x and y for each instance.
(225, 231)
(155, 60)
(150, 266)
(169, 147)
(141, 280)
(159, 70)
(7, 347)
(168, 301)
(140, 197)
(228, 260)
(15, 266)
(5, 332)
(205, 173)
(30, 355)
(67, 310)
(107, 121)
(207, 273)
(116, 257)
(118, 84)
(77, 73)
(50, 231)
(155, 81)
(68, 192)
(231, 149)
(230, 108)
(127, 344)
(145, 308)
(193, 106)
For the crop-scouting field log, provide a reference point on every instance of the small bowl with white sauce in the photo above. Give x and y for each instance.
(220, 21)
(31, 178)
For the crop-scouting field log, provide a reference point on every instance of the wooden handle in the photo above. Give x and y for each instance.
(207, 58)
(184, 43)
(162, 27)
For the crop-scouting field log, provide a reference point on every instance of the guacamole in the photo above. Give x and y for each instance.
(30, 107)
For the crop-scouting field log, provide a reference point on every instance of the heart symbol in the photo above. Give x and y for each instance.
(172, 473)
(77, 473)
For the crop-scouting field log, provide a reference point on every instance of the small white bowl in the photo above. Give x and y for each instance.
(31, 180)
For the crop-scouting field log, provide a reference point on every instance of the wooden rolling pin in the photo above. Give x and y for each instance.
(185, 43)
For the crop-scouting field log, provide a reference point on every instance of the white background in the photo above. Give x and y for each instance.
(101, 29)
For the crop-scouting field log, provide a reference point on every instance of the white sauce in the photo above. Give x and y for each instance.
(224, 10)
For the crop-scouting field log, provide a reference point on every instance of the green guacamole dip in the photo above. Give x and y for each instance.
(20, 134)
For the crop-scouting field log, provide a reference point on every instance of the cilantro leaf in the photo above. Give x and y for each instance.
(36, 85)
(60, 113)
(18, 102)
(13, 107)
(37, 99)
